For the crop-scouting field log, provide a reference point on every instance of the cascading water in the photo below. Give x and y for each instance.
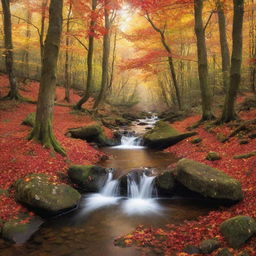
(130, 142)
(140, 196)
(107, 196)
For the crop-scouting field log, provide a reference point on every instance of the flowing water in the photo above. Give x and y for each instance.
(101, 217)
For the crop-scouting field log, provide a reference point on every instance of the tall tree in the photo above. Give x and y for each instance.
(13, 93)
(67, 76)
(170, 59)
(87, 94)
(229, 113)
(225, 55)
(202, 62)
(42, 30)
(42, 130)
(105, 57)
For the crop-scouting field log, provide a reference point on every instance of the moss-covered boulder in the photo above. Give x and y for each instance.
(213, 156)
(209, 245)
(37, 191)
(224, 252)
(30, 120)
(91, 133)
(196, 140)
(207, 181)
(165, 183)
(21, 229)
(89, 178)
(163, 136)
(238, 230)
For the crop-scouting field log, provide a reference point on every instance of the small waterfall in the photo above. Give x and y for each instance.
(144, 189)
(110, 188)
(130, 142)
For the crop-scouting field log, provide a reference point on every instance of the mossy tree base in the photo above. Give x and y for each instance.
(44, 135)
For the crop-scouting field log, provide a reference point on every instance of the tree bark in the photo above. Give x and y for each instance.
(202, 62)
(67, 78)
(87, 94)
(42, 130)
(225, 55)
(229, 113)
(41, 39)
(105, 59)
(13, 93)
(170, 59)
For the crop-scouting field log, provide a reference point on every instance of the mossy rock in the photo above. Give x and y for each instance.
(213, 156)
(30, 120)
(89, 178)
(245, 156)
(38, 192)
(165, 183)
(208, 246)
(196, 140)
(224, 252)
(207, 181)
(91, 133)
(17, 231)
(191, 249)
(163, 136)
(238, 230)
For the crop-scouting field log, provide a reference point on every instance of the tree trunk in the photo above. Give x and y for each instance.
(87, 94)
(105, 60)
(42, 130)
(228, 113)
(67, 78)
(225, 55)
(202, 62)
(170, 60)
(13, 93)
(41, 39)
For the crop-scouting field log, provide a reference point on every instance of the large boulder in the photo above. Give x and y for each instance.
(163, 136)
(165, 183)
(19, 230)
(37, 191)
(91, 133)
(89, 178)
(207, 181)
(238, 230)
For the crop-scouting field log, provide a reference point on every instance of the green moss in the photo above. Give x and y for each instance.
(238, 230)
(30, 120)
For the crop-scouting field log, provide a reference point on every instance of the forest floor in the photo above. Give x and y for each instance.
(20, 157)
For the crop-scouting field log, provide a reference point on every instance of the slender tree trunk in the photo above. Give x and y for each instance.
(170, 59)
(87, 94)
(105, 60)
(42, 130)
(225, 55)
(13, 93)
(202, 62)
(41, 39)
(67, 78)
(228, 113)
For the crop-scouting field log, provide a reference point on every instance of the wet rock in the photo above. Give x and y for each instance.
(165, 183)
(224, 252)
(163, 136)
(213, 156)
(30, 120)
(207, 181)
(238, 230)
(89, 178)
(208, 246)
(196, 140)
(38, 192)
(142, 123)
(91, 133)
(20, 230)
(191, 249)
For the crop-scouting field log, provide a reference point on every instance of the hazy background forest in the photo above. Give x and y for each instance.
(138, 64)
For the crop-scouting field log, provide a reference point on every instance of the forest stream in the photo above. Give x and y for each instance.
(102, 217)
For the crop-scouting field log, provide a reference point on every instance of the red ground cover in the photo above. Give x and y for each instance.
(20, 156)
(174, 238)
